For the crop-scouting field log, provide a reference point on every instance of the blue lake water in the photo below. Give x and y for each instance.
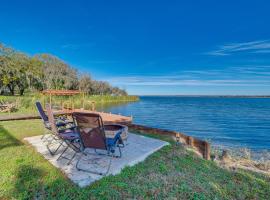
(230, 122)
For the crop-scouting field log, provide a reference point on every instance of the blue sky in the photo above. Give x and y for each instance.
(150, 47)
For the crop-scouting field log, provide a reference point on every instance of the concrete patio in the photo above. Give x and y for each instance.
(136, 150)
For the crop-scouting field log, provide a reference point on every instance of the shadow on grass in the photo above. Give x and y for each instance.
(7, 139)
(31, 183)
(28, 182)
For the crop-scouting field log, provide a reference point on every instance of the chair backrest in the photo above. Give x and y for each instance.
(41, 112)
(91, 130)
(51, 119)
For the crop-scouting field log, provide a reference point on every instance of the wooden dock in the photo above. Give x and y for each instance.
(107, 117)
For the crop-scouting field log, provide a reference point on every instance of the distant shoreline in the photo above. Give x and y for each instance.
(210, 96)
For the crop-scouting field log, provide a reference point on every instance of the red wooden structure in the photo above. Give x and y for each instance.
(61, 92)
(67, 104)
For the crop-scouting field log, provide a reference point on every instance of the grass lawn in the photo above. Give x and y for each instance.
(171, 172)
(26, 103)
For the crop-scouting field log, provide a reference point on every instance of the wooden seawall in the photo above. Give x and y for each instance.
(201, 146)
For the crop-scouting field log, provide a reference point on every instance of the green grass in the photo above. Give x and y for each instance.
(26, 104)
(171, 172)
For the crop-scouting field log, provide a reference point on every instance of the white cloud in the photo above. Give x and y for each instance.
(259, 46)
(160, 81)
(233, 76)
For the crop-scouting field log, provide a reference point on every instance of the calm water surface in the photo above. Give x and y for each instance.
(231, 122)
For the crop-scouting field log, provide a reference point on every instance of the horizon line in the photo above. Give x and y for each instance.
(203, 95)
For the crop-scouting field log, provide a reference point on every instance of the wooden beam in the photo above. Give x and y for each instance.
(14, 118)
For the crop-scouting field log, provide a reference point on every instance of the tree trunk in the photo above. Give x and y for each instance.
(11, 89)
(21, 88)
(21, 92)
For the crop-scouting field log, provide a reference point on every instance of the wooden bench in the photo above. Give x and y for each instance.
(6, 107)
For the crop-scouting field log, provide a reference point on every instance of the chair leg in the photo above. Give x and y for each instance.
(75, 153)
(70, 159)
(120, 151)
(44, 137)
(48, 138)
(61, 155)
(90, 171)
(51, 138)
(45, 133)
(101, 154)
(54, 152)
(111, 154)
(64, 151)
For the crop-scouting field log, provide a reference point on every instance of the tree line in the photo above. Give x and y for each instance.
(20, 72)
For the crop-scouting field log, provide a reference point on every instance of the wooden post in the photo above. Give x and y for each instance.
(44, 100)
(190, 141)
(177, 138)
(50, 99)
(83, 100)
(207, 149)
(93, 106)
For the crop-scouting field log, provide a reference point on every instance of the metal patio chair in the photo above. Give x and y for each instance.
(92, 135)
(61, 122)
(68, 138)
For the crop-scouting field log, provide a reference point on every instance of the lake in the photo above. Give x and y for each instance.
(228, 122)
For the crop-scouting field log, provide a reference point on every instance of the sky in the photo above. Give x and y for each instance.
(150, 47)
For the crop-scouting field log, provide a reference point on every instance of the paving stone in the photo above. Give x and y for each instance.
(136, 150)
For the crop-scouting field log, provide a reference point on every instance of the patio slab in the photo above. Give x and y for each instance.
(136, 150)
